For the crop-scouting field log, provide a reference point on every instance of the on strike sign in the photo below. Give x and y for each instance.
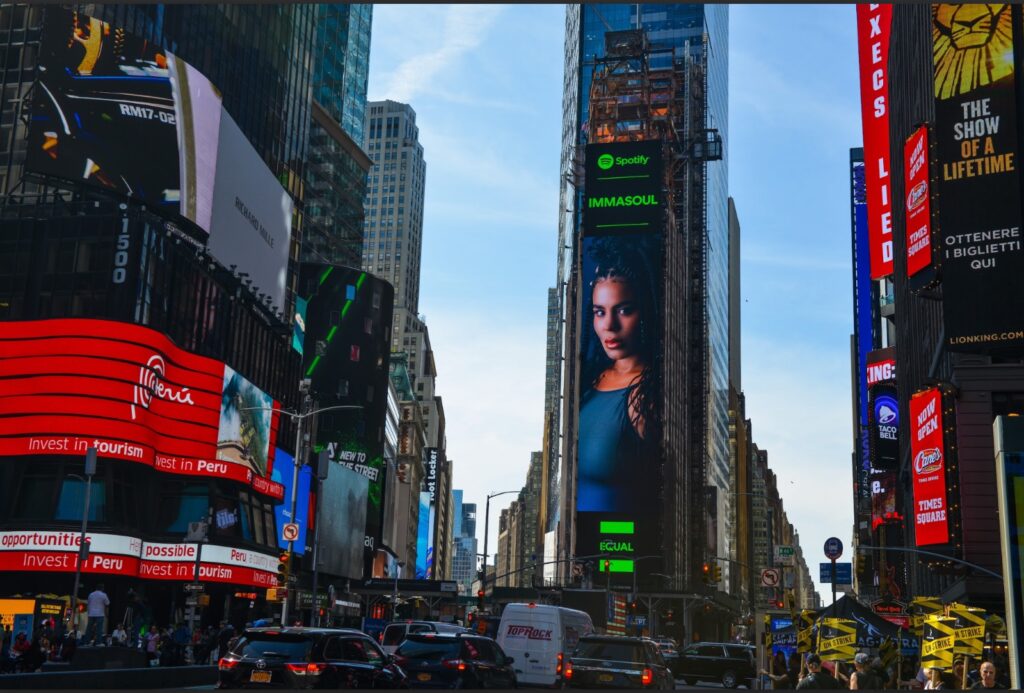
(931, 523)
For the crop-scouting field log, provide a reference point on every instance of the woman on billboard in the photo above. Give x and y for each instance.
(619, 422)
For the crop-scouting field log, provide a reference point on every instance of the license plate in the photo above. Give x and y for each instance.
(260, 677)
(605, 678)
(423, 677)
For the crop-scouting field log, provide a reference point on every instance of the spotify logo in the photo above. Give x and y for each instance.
(605, 161)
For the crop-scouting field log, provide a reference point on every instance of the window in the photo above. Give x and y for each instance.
(72, 500)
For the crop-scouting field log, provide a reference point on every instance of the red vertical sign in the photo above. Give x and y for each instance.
(915, 183)
(873, 23)
(931, 524)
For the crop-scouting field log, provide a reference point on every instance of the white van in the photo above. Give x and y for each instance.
(539, 637)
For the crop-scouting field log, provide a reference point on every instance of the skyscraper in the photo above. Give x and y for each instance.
(673, 35)
(464, 538)
(394, 203)
(336, 175)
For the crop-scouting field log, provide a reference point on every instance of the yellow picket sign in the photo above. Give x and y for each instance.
(937, 641)
(837, 639)
(969, 633)
(805, 631)
(919, 608)
(888, 652)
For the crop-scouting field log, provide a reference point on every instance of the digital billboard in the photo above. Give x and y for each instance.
(873, 28)
(115, 554)
(917, 187)
(625, 188)
(618, 466)
(118, 112)
(979, 214)
(885, 426)
(424, 532)
(346, 346)
(343, 522)
(928, 462)
(864, 301)
(283, 472)
(130, 392)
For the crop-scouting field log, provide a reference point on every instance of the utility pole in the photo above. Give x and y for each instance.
(83, 542)
(487, 520)
(323, 467)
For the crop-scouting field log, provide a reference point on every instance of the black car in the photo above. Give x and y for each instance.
(609, 661)
(440, 660)
(308, 658)
(723, 662)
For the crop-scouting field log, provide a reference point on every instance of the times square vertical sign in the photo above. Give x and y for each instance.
(979, 218)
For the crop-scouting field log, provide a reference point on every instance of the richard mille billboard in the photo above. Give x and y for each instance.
(118, 112)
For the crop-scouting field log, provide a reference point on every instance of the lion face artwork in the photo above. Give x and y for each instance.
(972, 46)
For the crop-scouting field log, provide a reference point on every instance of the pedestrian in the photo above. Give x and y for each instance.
(863, 678)
(97, 604)
(153, 645)
(784, 676)
(119, 637)
(987, 671)
(5, 642)
(817, 678)
(224, 637)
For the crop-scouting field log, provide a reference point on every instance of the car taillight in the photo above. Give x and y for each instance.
(453, 664)
(568, 670)
(225, 664)
(647, 677)
(400, 660)
(306, 668)
(558, 664)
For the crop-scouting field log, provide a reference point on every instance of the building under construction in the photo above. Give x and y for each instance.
(644, 92)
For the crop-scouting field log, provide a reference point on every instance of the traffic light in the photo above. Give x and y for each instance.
(607, 565)
(480, 600)
(283, 568)
(633, 606)
(717, 576)
(706, 573)
(469, 619)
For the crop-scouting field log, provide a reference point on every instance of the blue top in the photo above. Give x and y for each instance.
(609, 473)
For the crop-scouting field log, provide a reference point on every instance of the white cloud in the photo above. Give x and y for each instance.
(799, 404)
(464, 28)
(490, 376)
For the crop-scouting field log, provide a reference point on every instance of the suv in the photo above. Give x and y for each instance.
(397, 631)
(459, 660)
(725, 662)
(612, 661)
(307, 658)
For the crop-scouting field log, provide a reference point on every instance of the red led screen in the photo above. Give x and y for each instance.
(927, 454)
(127, 390)
(873, 24)
(918, 202)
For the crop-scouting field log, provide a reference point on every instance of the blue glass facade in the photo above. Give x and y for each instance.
(704, 29)
(342, 63)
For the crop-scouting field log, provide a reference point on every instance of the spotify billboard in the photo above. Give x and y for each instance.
(621, 347)
(625, 190)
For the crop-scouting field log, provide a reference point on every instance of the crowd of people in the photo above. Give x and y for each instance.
(868, 674)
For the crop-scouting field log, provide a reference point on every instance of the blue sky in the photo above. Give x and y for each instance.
(486, 84)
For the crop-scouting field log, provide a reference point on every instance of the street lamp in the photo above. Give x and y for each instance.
(83, 543)
(299, 418)
(487, 520)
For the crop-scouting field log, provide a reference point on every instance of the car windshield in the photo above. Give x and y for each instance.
(613, 651)
(429, 649)
(294, 648)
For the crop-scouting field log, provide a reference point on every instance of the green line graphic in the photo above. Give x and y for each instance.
(647, 175)
(616, 226)
(617, 528)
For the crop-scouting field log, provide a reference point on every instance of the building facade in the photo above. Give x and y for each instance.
(94, 264)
